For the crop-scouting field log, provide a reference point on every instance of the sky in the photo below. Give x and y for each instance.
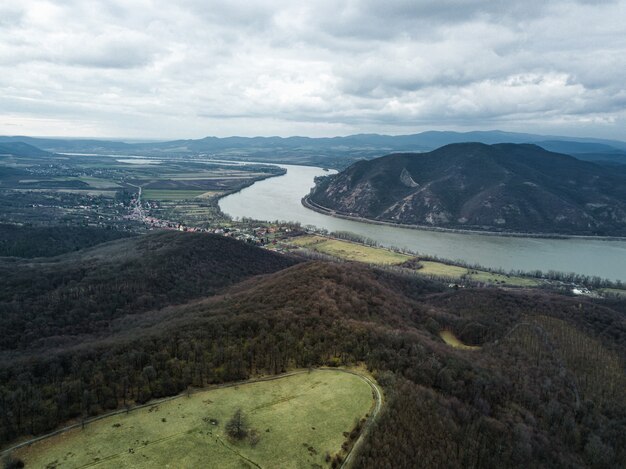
(144, 69)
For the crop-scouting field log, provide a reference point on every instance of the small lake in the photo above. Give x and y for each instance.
(278, 198)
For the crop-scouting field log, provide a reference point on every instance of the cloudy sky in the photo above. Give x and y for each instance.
(192, 68)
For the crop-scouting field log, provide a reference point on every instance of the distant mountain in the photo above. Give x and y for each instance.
(21, 149)
(70, 145)
(473, 186)
(337, 152)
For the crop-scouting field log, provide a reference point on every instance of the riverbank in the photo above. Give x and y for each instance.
(281, 199)
(308, 203)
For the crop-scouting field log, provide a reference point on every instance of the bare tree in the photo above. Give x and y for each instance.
(237, 426)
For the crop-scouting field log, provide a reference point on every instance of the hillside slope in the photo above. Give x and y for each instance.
(50, 302)
(49, 241)
(473, 186)
(546, 388)
(21, 149)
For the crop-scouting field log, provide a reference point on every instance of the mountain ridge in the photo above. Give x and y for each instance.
(514, 188)
(326, 149)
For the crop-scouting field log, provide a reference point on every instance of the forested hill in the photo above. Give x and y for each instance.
(49, 302)
(48, 241)
(502, 187)
(17, 148)
(544, 388)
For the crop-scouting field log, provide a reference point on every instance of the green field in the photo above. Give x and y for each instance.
(158, 194)
(350, 251)
(439, 269)
(376, 255)
(98, 183)
(299, 419)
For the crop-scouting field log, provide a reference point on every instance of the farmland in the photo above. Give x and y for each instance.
(156, 194)
(299, 419)
(97, 190)
(439, 269)
(350, 251)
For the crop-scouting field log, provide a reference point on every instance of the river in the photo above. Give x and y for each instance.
(278, 198)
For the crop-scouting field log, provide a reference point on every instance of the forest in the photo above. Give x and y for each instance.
(48, 241)
(146, 317)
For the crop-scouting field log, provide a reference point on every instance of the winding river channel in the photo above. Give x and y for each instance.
(278, 198)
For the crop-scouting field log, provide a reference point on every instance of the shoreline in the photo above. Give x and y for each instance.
(245, 186)
(308, 203)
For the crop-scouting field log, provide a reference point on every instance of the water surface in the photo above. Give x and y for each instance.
(278, 198)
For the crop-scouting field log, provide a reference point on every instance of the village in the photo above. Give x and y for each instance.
(253, 232)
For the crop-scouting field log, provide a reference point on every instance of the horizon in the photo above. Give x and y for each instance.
(137, 140)
(163, 71)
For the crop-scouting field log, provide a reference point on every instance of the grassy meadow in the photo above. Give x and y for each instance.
(377, 255)
(299, 419)
(174, 194)
(350, 251)
(439, 269)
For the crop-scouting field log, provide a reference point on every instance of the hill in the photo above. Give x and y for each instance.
(473, 186)
(18, 148)
(541, 385)
(55, 301)
(49, 241)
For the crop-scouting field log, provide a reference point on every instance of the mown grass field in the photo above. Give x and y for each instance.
(440, 269)
(350, 251)
(164, 194)
(299, 419)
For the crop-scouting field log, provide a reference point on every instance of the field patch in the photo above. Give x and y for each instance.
(452, 340)
(298, 419)
(439, 269)
(98, 183)
(613, 291)
(158, 194)
(350, 251)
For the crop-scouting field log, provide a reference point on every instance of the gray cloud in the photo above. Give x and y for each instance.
(151, 68)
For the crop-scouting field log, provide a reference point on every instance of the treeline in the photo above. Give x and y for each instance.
(48, 241)
(511, 404)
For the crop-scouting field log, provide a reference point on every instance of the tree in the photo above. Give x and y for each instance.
(237, 426)
(9, 462)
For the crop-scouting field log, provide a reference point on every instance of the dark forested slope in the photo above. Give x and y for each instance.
(54, 300)
(18, 148)
(48, 241)
(546, 388)
(503, 187)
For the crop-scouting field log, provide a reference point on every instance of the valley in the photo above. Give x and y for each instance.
(312, 235)
(280, 199)
(191, 289)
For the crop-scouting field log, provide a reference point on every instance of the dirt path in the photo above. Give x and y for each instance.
(378, 397)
